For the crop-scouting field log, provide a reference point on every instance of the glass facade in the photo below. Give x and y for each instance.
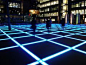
(78, 7)
(49, 9)
(13, 8)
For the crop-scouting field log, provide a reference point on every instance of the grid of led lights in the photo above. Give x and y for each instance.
(41, 47)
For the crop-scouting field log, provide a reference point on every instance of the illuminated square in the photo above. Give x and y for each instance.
(1, 32)
(67, 41)
(79, 37)
(51, 31)
(15, 57)
(61, 33)
(6, 43)
(28, 39)
(83, 47)
(45, 49)
(48, 36)
(83, 33)
(69, 58)
(3, 37)
(36, 32)
(41, 29)
(17, 35)
(12, 32)
(27, 30)
(73, 31)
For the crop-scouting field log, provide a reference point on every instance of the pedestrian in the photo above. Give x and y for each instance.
(33, 23)
(47, 24)
(63, 23)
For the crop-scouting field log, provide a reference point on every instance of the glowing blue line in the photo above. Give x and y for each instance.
(59, 37)
(52, 56)
(79, 45)
(14, 33)
(60, 44)
(21, 37)
(35, 35)
(25, 32)
(74, 38)
(22, 44)
(8, 47)
(55, 38)
(14, 37)
(80, 51)
(56, 54)
(33, 42)
(66, 37)
(26, 50)
(1, 34)
(34, 63)
(4, 39)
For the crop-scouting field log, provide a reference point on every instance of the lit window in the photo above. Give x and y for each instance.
(85, 11)
(77, 5)
(65, 1)
(53, 19)
(77, 11)
(85, 3)
(48, 4)
(14, 5)
(82, 4)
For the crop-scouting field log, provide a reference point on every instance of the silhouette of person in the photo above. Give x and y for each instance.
(33, 23)
(63, 23)
(47, 24)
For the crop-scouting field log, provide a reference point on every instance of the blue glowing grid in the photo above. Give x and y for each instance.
(70, 31)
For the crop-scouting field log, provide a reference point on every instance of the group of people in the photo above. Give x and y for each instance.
(48, 24)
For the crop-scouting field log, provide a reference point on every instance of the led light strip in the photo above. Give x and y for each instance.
(51, 56)
(66, 37)
(79, 51)
(43, 34)
(22, 44)
(76, 34)
(14, 38)
(59, 53)
(68, 46)
(26, 50)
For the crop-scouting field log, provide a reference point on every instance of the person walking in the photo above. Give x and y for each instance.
(47, 24)
(33, 25)
(63, 23)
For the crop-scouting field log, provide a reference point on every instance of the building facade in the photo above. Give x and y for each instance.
(12, 9)
(54, 9)
(58, 9)
(79, 7)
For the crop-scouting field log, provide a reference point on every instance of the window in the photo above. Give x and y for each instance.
(65, 1)
(46, 10)
(53, 19)
(14, 5)
(82, 4)
(85, 11)
(1, 6)
(85, 3)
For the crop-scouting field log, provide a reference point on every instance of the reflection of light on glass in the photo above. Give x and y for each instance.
(71, 19)
(77, 19)
(83, 17)
(66, 18)
(53, 19)
(85, 20)
(14, 5)
(0, 9)
(65, 1)
(64, 7)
